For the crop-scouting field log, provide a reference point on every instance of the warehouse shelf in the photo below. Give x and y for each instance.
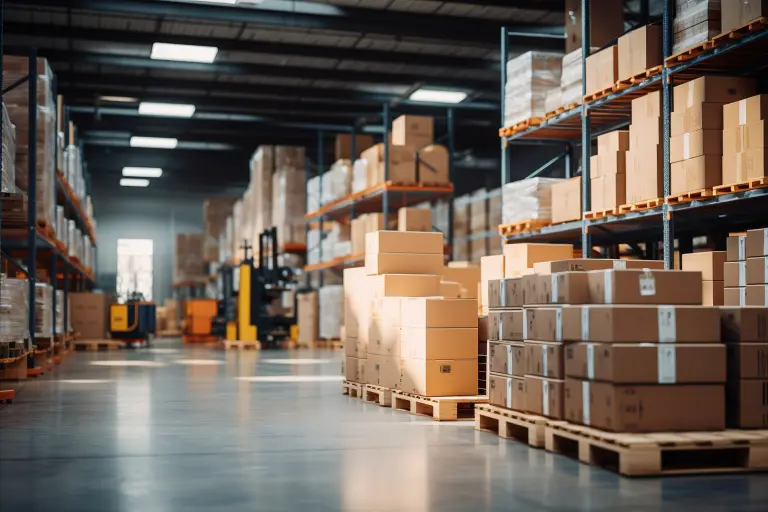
(16, 242)
(66, 196)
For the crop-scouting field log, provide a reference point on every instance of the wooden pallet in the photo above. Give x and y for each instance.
(742, 186)
(442, 408)
(329, 344)
(14, 368)
(508, 424)
(687, 197)
(599, 214)
(96, 345)
(170, 333)
(352, 389)
(241, 345)
(721, 39)
(639, 77)
(641, 205)
(560, 110)
(377, 395)
(521, 126)
(666, 453)
(523, 226)
(199, 338)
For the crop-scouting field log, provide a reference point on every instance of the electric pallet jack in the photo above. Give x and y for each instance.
(134, 321)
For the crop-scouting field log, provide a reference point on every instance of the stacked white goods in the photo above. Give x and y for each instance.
(43, 310)
(571, 78)
(60, 308)
(313, 246)
(331, 301)
(9, 154)
(262, 167)
(313, 194)
(359, 175)
(289, 197)
(529, 199)
(337, 181)
(529, 77)
(14, 309)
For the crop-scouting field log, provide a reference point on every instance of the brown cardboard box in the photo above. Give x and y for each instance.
(403, 242)
(747, 404)
(507, 358)
(610, 163)
(745, 111)
(712, 89)
(736, 13)
(438, 343)
(402, 263)
(644, 287)
(307, 317)
(545, 359)
(640, 324)
(413, 131)
(602, 69)
(505, 325)
(494, 294)
(692, 144)
(354, 369)
(506, 391)
(645, 132)
(736, 248)
(467, 277)
(734, 143)
(747, 361)
(383, 371)
(604, 28)
(756, 295)
(580, 265)
(744, 166)
(491, 267)
(383, 337)
(560, 323)
(566, 200)
(646, 107)
(735, 274)
(343, 146)
(519, 257)
(757, 243)
(702, 116)
(432, 165)
(754, 135)
(89, 312)
(544, 396)
(356, 306)
(450, 290)
(439, 377)
(511, 292)
(710, 264)
(757, 270)
(639, 50)
(644, 175)
(438, 312)
(713, 293)
(594, 167)
(735, 296)
(643, 363)
(645, 408)
(697, 173)
(402, 166)
(613, 142)
(414, 219)
(609, 191)
(744, 324)
(404, 285)
(566, 288)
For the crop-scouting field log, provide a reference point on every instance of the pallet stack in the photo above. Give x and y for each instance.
(744, 139)
(735, 271)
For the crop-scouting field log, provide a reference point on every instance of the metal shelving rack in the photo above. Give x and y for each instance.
(713, 216)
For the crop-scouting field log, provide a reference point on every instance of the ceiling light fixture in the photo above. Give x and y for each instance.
(154, 142)
(128, 182)
(142, 172)
(119, 99)
(230, 2)
(183, 52)
(438, 96)
(166, 109)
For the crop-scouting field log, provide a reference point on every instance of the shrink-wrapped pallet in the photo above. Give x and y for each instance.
(313, 246)
(43, 310)
(288, 205)
(440, 216)
(529, 199)
(14, 309)
(9, 154)
(529, 78)
(696, 21)
(225, 239)
(188, 260)
(61, 306)
(359, 175)
(571, 91)
(331, 310)
(313, 194)
(262, 168)
(216, 210)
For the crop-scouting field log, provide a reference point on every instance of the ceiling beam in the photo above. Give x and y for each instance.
(298, 14)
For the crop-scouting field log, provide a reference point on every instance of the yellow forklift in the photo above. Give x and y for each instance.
(134, 321)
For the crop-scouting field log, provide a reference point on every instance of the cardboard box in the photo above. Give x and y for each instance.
(450, 290)
(413, 131)
(545, 359)
(343, 146)
(608, 191)
(467, 277)
(354, 369)
(756, 295)
(736, 13)
(507, 358)
(438, 343)
(307, 317)
(745, 111)
(414, 219)
(754, 136)
(566, 288)
(702, 116)
(646, 107)
(645, 408)
(713, 293)
(403, 242)
(577, 265)
(432, 165)
(511, 293)
(744, 324)
(566, 200)
(650, 324)
(438, 312)
(402, 166)
(644, 363)
(604, 28)
(401, 263)
(644, 175)
(439, 377)
(382, 371)
(505, 325)
(544, 396)
(697, 173)
(639, 50)
(736, 248)
(644, 287)
(712, 89)
(88, 314)
(747, 361)
(613, 142)
(519, 257)
(404, 285)
(610, 163)
(710, 264)
(594, 167)
(757, 243)
(506, 391)
(757, 270)
(384, 330)
(693, 144)
(747, 404)
(560, 323)
(602, 69)
(735, 273)
(735, 296)
(734, 143)
(494, 294)
(491, 267)
(744, 166)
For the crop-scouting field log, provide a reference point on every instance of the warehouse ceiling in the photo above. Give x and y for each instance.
(283, 68)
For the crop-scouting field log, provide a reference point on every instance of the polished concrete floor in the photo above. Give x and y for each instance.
(180, 429)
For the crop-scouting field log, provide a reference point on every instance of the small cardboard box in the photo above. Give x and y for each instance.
(545, 359)
(756, 295)
(710, 264)
(712, 89)
(413, 131)
(432, 165)
(696, 173)
(646, 107)
(602, 69)
(505, 325)
(645, 408)
(511, 292)
(644, 287)
(439, 377)
(650, 324)
(507, 358)
(744, 324)
(702, 116)
(544, 396)
(747, 404)
(414, 219)
(403, 242)
(736, 248)
(735, 296)
(566, 288)
(494, 294)
(561, 323)
(757, 242)
(747, 361)
(613, 142)
(643, 363)
(404, 285)
(745, 111)
(518, 257)
(439, 312)
(382, 371)
(645, 174)
(354, 369)
(402, 166)
(438, 343)
(343, 146)
(401, 263)
(713, 293)
(757, 270)
(506, 391)
(566, 200)
(692, 144)
(639, 50)
(735, 273)
(467, 277)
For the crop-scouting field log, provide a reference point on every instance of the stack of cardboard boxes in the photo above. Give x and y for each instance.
(735, 271)
(506, 353)
(530, 77)
(736, 13)
(644, 167)
(474, 215)
(757, 267)
(711, 265)
(566, 200)
(695, 21)
(188, 257)
(602, 69)
(608, 171)
(744, 139)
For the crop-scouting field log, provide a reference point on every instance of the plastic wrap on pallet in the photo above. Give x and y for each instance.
(359, 175)
(342, 249)
(237, 241)
(289, 205)
(60, 308)
(331, 310)
(529, 199)
(553, 100)
(216, 210)
(71, 234)
(43, 310)
(9, 154)
(313, 247)
(14, 309)
(188, 260)
(529, 77)
(313, 194)
(440, 210)
(262, 167)
(60, 222)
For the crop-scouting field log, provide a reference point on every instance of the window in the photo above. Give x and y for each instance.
(134, 268)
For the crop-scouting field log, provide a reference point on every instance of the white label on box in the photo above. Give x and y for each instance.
(742, 248)
(765, 241)
(647, 283)
(742, 273)
(544, 361)
(590, 361)
(743, 110)
(503, 293)
(559, 324)
(545, 397)
(667, 324)
(608, 287)
(686, 146)
(765, 298)
(509, 393)
(555, 292)
(501, 328)
(525, 324)
(585, 402)
(765, 270)
(667, 365)
(743, 296)
(619, 265)
(585, 323)
(510, 359)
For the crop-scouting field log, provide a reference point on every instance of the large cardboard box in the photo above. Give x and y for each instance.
(491, 267)
(354, 369)
(603, 29)
(343, 146)
(89, 313)
(506, 391)
(747, 361)
(414, 219)
(757, 243)
(402, 166)
(520, 257)
(756, 295)
(438, 343)
(745, 111)
(413, 131)
(307, 317)
(566, 200)
(694, 144)
(644, 287)
(735, 296)
(645, 408)
(545, 359)
(644, 363)
(507, 325)
(467, 277)
(713, 293)
(702, 116)
(710, 264)
(744, 166)
(544, 396)
(747, 404)
(507, 358)
(561, 323)
(757, 270)
(402, 263)
(744, 324)
(439, 312)
(645, 172)
(404, 285)
(403, 242)
(382, 371)
(736, 248)
(439, 377)
(639, 50)
(735, 273)
(650, 324)
(609, 191)
(736, 13)
(697, 173)
(432, 165)
(602, 69)
(712, 89)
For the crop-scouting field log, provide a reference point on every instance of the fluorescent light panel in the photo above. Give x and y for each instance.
(230, 2)
(142, 172)
(119, 99)
(166, 109)
(154, 142)
(133, 182)
(183, 52)
(438, 96)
